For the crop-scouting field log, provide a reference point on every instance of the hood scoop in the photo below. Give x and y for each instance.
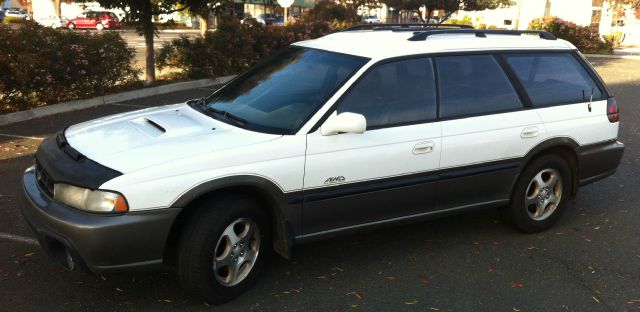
(148, 126)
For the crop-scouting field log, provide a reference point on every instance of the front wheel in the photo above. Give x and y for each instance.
(71, 26)
(99, 26)
(540, 195)
(223, 248)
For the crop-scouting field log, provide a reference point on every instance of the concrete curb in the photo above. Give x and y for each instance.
(53, 109)
(619, 56)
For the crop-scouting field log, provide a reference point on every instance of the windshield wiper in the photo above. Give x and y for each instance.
(238, 121)
(202, 103)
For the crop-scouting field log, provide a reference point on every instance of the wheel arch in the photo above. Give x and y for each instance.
(284, 217)
(565, 147)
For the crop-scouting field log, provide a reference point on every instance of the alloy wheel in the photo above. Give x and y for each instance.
(544, 194)
(236, 252)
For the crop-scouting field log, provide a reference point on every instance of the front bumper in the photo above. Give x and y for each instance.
(598, 161)
(92, 242)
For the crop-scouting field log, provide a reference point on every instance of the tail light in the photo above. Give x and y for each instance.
(613, 113)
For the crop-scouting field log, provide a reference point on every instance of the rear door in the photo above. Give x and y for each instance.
(387, 172)
(486, 129)
(566, 96)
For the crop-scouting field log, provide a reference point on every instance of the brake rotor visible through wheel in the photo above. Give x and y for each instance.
(543, 195)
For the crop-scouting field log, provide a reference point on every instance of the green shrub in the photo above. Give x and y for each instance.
(43, 66)
(466, 20)
(614, 38)
(585, 38)
(234, 47)
(13, 20)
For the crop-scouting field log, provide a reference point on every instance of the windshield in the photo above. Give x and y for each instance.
(280, 95)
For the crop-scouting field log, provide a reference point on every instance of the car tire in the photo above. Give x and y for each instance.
(540, 195)
(99, 26)
(215, 264)
(71, 26)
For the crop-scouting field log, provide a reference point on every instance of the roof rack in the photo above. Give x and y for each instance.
(404, 27)
(482, 33)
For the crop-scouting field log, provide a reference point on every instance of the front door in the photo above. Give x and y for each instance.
(389, 171)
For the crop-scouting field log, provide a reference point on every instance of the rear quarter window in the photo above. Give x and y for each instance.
(553, 78)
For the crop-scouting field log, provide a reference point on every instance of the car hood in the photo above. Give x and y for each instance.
(140, 139)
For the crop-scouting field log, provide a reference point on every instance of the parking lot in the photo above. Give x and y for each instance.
(590, 261)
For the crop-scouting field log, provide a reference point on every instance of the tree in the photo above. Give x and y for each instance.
(448, 6)
(203, 9)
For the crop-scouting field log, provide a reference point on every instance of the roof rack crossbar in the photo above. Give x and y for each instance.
(482, 33)
(401, 27)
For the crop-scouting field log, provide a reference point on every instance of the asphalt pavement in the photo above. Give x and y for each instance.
(590, 261)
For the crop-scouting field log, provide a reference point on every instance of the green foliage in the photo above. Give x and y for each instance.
(465, 20)
(43, 66)
(234, 47)
(13, 20)
(329, 11)
(585, 38)
(614, 38)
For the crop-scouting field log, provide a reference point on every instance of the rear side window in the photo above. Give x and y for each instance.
(394, 93)
(553, 78)
(474, 84)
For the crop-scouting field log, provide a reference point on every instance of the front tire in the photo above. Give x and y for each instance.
(71, 26)
(99, 26)
(223, 248)
(540, 195)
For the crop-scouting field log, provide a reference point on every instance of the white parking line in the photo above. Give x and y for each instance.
(21, 136)
(20, 239)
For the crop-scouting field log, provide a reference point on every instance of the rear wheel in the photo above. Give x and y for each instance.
(223, 248)
(540, 195)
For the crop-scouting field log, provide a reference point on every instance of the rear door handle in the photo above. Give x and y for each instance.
(423, 147)
(529, 132)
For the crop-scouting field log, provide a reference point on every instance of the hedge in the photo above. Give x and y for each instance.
(585, 38)
(43, 66)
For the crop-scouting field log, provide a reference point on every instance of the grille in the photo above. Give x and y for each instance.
(44, 180)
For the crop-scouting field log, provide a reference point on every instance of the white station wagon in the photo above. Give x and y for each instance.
(365, 128)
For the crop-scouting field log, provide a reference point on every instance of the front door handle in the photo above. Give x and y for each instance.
(423, 147)
(529, 132)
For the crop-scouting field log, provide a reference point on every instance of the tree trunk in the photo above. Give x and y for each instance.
(57, 7)
(148, 31)
(204, 23)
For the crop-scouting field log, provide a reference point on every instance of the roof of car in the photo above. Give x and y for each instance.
(381, 44)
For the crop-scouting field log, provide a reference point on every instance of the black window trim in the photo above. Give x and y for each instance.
(498, 54)
(604, 94)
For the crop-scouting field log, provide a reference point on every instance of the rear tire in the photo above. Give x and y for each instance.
(540, 195)
(223, 248)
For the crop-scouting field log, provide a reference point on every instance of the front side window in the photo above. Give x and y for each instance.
(399, 92)
(553, 78)
(474, 84)
(282, 93)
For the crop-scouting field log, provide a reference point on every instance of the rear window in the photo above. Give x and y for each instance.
(474, 84)
(553, 78)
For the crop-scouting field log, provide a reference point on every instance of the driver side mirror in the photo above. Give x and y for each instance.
(345, 122)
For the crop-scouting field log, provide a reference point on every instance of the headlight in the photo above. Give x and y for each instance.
(85, 199)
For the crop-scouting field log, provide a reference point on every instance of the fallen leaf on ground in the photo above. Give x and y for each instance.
(490, 269)
(29, 254)
(355, 294)
(414, 301)
(434, 309)
(391, 278)
(119, 289)
(517, 285)
(165, 300)
(424, 281)
(337, 269)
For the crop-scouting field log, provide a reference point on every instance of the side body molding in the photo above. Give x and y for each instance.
(285, 208)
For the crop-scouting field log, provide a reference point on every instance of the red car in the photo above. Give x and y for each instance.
(95, 19)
